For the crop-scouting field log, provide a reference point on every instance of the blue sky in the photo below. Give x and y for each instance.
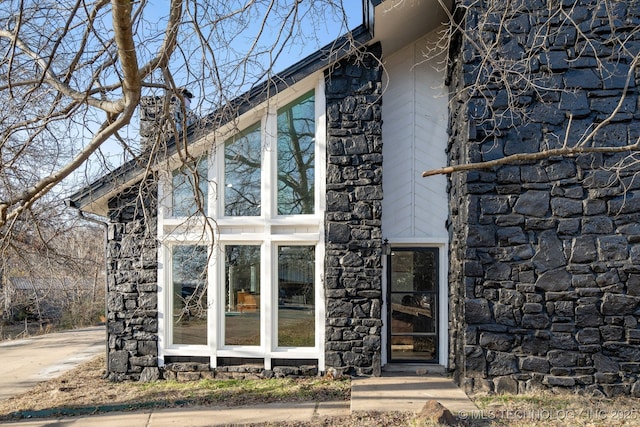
(317, 31)
(353, 9)
(316, 25)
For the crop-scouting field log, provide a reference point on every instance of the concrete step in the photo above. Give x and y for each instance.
(407, 393)
(410, 369)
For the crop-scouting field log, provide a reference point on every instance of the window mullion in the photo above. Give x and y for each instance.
(164, 198)
(213, 179)
(214, 304)
(164, 298)
(267, 313)
(218, 162)
(164, 270)
(269, 193)
(269, 173)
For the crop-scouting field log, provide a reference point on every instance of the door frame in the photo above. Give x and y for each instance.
(435, 310)
(443, 295)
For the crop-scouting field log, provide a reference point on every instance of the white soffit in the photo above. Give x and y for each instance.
(399, 22)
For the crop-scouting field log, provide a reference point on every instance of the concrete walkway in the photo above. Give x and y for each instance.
(200, 416)
(389, 393)
(26, 362)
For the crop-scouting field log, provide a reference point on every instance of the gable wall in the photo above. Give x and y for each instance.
(353, 269)
(545, 256)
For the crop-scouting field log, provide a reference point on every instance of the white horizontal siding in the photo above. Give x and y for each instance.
(414, 132)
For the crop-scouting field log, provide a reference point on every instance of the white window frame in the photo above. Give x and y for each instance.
(165, 294)
(247, 350)
(317, 295)
(268, 230)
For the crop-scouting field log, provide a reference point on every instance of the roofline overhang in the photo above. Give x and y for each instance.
(91, 198)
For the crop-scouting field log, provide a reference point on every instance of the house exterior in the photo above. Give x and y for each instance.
(316, 245)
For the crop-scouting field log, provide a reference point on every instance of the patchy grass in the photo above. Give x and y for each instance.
(361, 419)
(554, 408)
(83, 390)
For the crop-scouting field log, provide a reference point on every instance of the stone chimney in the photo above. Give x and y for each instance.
(154, 125)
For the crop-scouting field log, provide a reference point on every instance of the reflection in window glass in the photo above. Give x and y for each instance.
(185, 181)
(296, 303)
(242, 156)
(242, 295)
(413, 275)
(296, 138)
(189, 263)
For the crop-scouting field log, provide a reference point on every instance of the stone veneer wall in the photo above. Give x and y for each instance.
(132, 271)
(545, 256)
(353, 279)
(353, 275)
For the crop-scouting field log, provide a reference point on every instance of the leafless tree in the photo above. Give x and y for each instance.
(53, 270)
(515, 55)
(72, 74)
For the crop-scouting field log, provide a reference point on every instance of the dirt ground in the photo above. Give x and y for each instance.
(85, 389)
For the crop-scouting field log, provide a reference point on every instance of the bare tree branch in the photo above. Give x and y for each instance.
(72, 75)
(531, 157)
(512, 74)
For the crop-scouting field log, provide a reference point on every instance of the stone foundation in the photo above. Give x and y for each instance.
(185, 371)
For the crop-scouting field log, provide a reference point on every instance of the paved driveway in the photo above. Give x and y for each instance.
(26, 362)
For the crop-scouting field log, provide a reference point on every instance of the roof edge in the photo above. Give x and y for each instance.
(132, 171)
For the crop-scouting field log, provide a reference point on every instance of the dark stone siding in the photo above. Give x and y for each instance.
(353, 279)
(132, 271)
(353, 269)
(192, 371)
(545, 256)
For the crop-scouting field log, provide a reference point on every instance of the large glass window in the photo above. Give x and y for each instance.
(258, 247)
(242, 157)
(296, 296)
(189, 266)
(296, 157)
(242, 295)
(190, 189)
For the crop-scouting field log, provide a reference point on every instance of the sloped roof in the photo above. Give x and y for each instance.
(396, 23)
(129, 173)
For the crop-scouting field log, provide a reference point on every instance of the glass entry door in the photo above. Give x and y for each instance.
(413, 305)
